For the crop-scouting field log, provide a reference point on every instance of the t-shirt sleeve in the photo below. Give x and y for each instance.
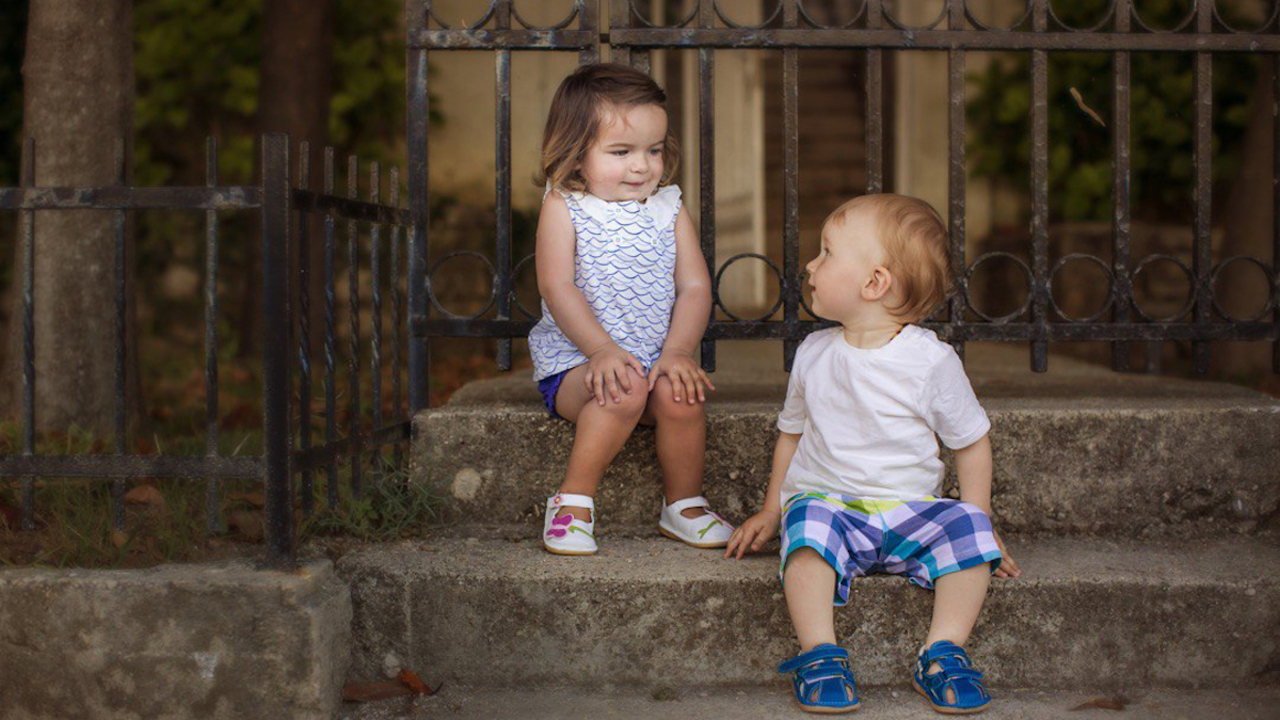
(949, 405)
(791, 419)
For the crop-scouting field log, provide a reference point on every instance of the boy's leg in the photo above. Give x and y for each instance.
(601, 432)
(681, 439)
(958, 599)
(810, 584)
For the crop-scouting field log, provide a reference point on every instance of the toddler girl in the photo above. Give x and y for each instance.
(625, 299)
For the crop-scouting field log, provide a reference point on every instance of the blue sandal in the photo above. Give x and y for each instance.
(956, 674)
(822, 680)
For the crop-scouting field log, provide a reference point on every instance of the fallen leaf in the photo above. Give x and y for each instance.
(1075, 95)
(414, 683)
(369, 692)
(248, 523)
(253, 498)
(1117, 702)
(144, 495)
(118, 538)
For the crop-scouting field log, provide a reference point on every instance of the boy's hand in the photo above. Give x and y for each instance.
(687, 379)
(1008, 567)
(607, 373)
(754, 533)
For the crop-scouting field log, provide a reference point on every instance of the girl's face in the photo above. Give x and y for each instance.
(625, 161)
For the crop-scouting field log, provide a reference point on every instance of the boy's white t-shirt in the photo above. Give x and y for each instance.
(868, 418)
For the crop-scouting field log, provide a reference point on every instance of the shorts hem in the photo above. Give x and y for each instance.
(988, 557)
(841, 597)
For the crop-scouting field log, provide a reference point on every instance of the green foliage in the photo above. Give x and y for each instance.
(1162, 93)
(197, 64)
(392, 505)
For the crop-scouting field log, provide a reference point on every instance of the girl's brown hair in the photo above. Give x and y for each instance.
(577, 110)
(914, 238)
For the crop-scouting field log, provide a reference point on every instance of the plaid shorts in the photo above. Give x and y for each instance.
(921, 539)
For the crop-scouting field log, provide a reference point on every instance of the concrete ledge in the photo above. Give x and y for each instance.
(1126, 464)
(653, 613)
(177, 641)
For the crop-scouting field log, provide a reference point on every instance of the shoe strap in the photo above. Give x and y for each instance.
(680, 506)
(570, 500)
(941, 650)
(818, 654)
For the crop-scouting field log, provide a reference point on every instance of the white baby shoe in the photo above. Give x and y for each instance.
(704, 531)
(567, 535)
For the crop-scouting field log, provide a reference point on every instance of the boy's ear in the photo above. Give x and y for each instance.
(878, 284)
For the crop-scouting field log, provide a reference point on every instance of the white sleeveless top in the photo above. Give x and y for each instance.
(624, 264)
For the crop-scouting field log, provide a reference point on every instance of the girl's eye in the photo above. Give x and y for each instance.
(619, 153)
(656, 151)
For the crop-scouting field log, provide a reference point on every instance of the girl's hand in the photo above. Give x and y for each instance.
(1008, 567)
(687, 379)
(607, 371)
(754, 533)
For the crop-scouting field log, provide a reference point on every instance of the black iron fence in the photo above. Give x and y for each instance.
(291, 448)
(790, 27)
(285, 206)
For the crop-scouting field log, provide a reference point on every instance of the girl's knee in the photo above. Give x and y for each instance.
(629, 405)
(665, 407)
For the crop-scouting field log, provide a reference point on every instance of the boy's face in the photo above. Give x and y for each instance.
(839, 276)
(625, 161)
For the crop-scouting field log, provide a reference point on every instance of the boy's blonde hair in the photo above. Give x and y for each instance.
(577, 110)
(914, 238)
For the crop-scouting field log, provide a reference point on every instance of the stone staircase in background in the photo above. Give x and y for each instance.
(1145, 513)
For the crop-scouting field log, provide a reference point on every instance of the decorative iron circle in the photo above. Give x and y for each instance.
(573, 13)
(777, 9)
(1191, 287)
(1182, 25)
(515, 298)
(1271, 289)
(715, 287)
(968, 277)
(1217, 15)
(484, 19)
(635, 12)
(1111, 291)
(894, 21)
(1106, 17)
(972, 18)
(431, 294)
(804, 14)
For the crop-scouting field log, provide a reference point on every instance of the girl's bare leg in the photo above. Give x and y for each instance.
(681, 439)
(601, 432)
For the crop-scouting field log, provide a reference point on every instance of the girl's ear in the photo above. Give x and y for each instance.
(878, 284)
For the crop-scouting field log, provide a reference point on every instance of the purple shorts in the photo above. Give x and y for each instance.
(921, 539)
(548, 386)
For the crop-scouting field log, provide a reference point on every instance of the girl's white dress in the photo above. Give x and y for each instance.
(624, 265)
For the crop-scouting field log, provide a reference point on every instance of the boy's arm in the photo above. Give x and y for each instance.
(761, 527)
(973, 470)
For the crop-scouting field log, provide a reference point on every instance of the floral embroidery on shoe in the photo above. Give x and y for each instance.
(559, 526)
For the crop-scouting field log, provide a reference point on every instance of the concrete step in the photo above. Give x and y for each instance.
(771, 703)
(651, 613)
(1080, 449)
